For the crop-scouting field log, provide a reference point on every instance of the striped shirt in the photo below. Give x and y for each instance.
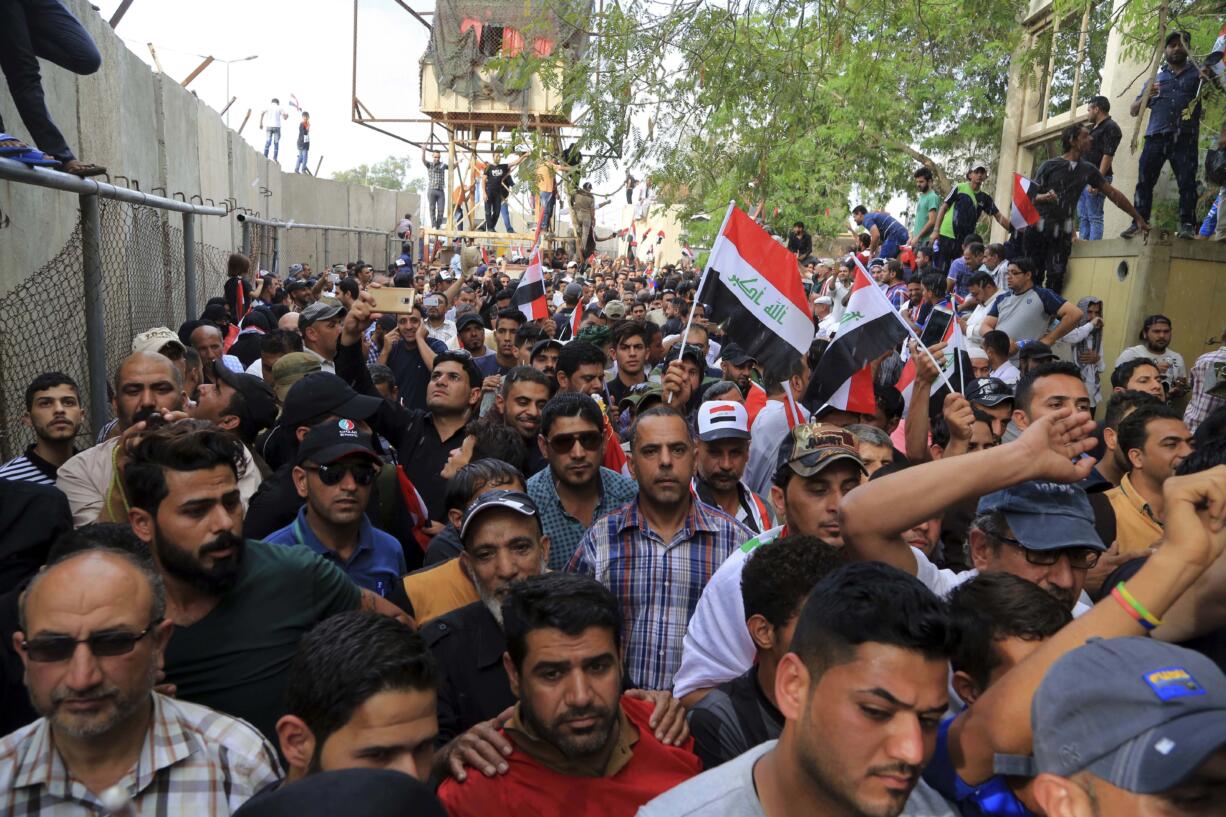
(194, 760)
(657, 583)
(29, 467)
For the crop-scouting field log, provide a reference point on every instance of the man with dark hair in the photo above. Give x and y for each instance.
(239, 607)
(408, 351)
(104, 726)
(1113, 465)
(573, 729)
(785, 384)
(55, 415)
(469, 482)
(520, 400)
(576, 489)
(504, 358)
(1207, 389)
(544, 358)
(1155, 345)
(1152, 440)
(924, 229)
(1138, 374)
(240, 403)
(334, 473)
(740, 714)
(274, 345)
(580, 368)
(630, 354)
(960, 271)
(361, 693)
(868, 663)
(800, 243)
(1105, 137)
(486, 437)
(1025, 312)
(622, 550)
(886, 233)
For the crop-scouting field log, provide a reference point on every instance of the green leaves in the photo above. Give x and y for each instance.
(391, 173)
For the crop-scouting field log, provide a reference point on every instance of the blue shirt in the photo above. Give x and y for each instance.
(488, 365)
(563, 530)
(887, 225)
(961, 273)
(992, 798)
(376, 564)
(1175, 110)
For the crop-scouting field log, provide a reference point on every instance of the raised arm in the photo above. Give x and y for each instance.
(875, 514)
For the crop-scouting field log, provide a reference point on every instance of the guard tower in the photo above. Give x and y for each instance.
(480, 103)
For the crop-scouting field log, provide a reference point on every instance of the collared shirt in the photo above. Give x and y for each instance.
(751, 510)
(326, 365)
(438, 589)
(1137, 528)
(1105, 141)
(194, 760)
(565, 531)
(446, 333)
(437, 173)
(1176, 109)
(423, 454)
(961, 273)
(29, 467)
(377, 561)
(1209, 372)
(657, 583)
(1026, 315)
(468, 645)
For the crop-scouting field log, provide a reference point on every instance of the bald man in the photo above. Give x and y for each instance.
(93, 633)
(209, 342)
(148, 389)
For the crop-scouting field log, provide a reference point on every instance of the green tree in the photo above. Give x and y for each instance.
(391, 173)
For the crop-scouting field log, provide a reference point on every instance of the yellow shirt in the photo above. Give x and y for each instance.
(1136, 527)
(437, 590)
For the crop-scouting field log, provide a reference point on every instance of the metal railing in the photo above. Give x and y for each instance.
(90, 192)
(254, 240)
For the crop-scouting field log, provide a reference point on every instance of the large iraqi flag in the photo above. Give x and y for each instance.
(529, 295)
(752, 286)
(870, 326)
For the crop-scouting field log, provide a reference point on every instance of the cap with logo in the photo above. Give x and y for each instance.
(722, 420)
(515, 501)
(154, 340)
(1138, 713)
(325, 393)
(334, 440)
(988, 391)
(289, 369)
(977, 165)
(1046, 515)
(318, 311)
(810, 447)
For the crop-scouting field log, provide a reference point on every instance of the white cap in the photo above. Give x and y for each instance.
(976, 353)
(825, 299)
(570, 264)
(722, 420)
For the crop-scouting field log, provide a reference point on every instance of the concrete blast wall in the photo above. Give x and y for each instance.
(153, 134)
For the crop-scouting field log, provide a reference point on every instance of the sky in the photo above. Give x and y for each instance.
(303, 47)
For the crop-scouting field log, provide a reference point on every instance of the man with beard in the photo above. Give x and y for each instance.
(1154, 345)
(862, 691)
(92, 639)
(723, 451)
(148, 393)
(575, 490)
(55, 415)
(335, 473)
(575, 736)
(239, 607)
(544, 357)
(519, 403)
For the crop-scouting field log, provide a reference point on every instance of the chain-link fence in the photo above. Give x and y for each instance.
(42, 321)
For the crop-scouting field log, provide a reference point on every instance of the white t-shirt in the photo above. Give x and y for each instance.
(273, 116)
(1175, 370)
(770, 430)
(1006, 372)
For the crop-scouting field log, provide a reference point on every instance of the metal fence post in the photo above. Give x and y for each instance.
(95, 330)
(189, 266)
(360, 247)
(327, 259)
(276, 251)
(247, 240)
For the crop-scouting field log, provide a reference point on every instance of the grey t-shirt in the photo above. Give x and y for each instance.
(729, 791)
(1026, 316)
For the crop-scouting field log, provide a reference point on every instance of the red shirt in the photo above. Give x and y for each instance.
(529, 788)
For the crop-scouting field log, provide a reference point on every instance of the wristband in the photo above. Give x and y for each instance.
(1134, 608)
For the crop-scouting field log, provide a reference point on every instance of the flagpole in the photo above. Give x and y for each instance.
(685, 334)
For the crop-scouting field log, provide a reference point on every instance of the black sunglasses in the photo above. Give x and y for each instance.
(565, 443)
(1082, 558)
(56, 648)
(363, 473)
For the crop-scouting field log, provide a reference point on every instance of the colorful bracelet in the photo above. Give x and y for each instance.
(1134, 608)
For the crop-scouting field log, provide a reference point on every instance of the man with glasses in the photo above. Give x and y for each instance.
(93, 633)
(575, 490)
(335, 472)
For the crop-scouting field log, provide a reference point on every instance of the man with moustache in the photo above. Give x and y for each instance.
(55, 415)
(238, 607)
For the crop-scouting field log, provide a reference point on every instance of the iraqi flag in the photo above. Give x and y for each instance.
(687, 252)
(529, 295)
(1023, 213)
(856, 393)
(416, 506)
(870, 327)
(957, 359)
(906, 384)
(752, 287)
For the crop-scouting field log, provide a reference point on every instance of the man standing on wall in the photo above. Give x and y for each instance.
(436, 172)
(270, 120)
(304, 143)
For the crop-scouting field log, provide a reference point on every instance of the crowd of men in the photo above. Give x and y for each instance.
(593, 563)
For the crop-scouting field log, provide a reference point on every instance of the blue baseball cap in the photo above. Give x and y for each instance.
(1046, 515)
(1139, 713)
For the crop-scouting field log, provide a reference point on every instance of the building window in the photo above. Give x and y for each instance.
(1069, 57)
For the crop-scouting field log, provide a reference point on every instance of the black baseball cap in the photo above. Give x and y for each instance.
(333, 440)
(1183, 36)
(468, 318)
(325, 393)
(735, 355)
(352, 792)
(542, 345)
(687, 350)
(259, 409)
(988, 391)
(1035, 350)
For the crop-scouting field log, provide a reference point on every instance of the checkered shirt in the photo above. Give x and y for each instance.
(563, 530)
(194, 761)
(657, 583)
(1202, 404)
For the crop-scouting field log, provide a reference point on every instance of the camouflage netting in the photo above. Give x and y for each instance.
(468, 32)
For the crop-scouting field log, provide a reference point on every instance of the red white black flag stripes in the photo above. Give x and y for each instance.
(1023, 213)
(529, 296)
(752, 286)
(856, 394)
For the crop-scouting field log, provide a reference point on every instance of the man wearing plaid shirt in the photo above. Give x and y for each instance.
(1208, 385)
(436, 186)
(658, 552)
(93, 632)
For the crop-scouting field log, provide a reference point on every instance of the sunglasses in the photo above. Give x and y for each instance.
(1078, 558)
(56, 648)
(565, 443)
(363, 474)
